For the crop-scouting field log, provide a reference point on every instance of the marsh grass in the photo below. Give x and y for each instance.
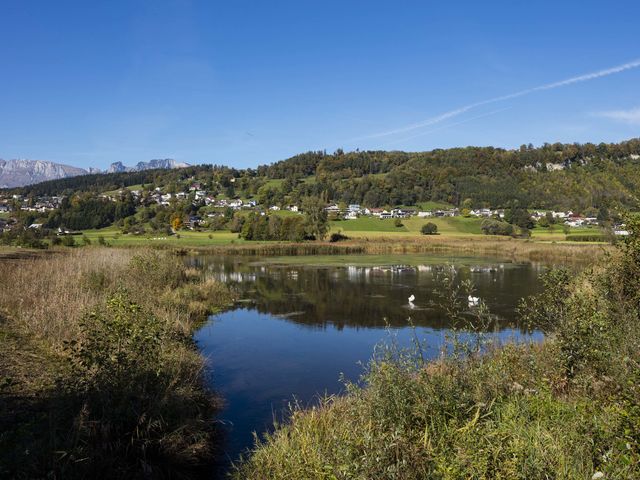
(566, 408)
(98, 374)
(507, 248)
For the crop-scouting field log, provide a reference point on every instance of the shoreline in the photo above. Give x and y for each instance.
(515, 249)
(506, 248)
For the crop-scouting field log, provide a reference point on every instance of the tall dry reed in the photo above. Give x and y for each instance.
(97, 363)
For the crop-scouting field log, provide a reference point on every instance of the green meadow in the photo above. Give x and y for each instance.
(186, 238)
(447, 227)
(363, 227)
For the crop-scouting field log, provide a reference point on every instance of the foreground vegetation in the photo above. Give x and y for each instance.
(568, 408)
(98, 374)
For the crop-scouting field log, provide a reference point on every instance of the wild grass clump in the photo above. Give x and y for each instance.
(98, 374)
(568, 408)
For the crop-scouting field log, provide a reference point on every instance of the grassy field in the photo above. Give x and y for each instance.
(367, 224)
(130, 188)
(375, 227)
(371, 227)
(451, 231)
(188, 238)
(274, 183)
(311, 179)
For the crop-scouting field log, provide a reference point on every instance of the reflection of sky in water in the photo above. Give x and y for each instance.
(300, 328)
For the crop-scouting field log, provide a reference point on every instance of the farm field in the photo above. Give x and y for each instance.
(447, 227)
(363, 227)
(114, 237)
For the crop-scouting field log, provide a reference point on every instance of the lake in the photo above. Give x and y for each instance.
(303, 322)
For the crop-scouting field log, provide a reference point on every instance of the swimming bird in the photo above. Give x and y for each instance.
(473, 301)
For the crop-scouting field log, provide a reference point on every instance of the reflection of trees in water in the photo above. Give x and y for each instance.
(360, 297)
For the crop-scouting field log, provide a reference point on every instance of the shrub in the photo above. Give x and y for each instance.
(137, 406)
(68, 241)
(337, 237)
(490, 226)
(429, 229)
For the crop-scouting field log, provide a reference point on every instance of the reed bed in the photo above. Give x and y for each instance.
(98, 373)
(46, 297)
(516, 249)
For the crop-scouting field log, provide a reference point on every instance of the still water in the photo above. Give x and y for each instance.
(299, 327)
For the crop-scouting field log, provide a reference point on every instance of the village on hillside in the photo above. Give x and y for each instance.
(208, 206)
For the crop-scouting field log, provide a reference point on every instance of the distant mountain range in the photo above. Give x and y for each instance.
(167, 163)
(21, 172)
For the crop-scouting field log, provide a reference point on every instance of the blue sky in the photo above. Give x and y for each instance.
(244, 83)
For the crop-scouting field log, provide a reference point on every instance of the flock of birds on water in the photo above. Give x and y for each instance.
(472, 301)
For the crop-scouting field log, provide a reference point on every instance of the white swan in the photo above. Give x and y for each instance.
(473, 301)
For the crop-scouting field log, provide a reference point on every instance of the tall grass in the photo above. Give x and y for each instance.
(480, 246)
(98, 374)
(568, 408)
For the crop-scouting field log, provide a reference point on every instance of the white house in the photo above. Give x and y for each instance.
(332, 208)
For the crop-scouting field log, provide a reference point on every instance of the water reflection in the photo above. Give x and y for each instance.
(371, 296)
(297, 328)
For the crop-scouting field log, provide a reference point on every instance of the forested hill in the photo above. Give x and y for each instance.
(553, 176)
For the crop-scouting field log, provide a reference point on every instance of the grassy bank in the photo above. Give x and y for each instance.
(568, 408)
(98, 374)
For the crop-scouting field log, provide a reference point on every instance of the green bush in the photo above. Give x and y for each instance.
(137, 409)
(490, 226)
(337, 237)
(68, 241)
(429, 229)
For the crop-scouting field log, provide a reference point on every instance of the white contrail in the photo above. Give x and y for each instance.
(549, 86)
